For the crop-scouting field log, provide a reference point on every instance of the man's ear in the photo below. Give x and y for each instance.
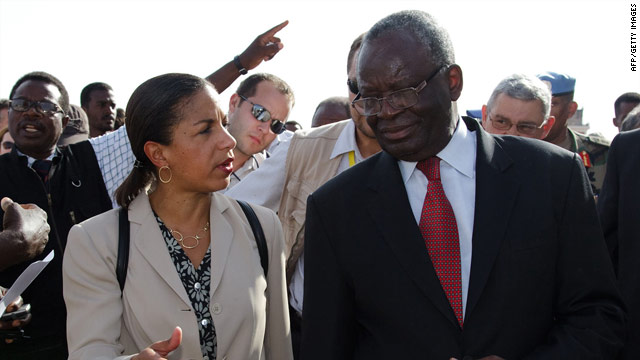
(455, 81)
(155, 153)
(573, 107)
(615, 123)
(546, 128)
(65, 121)
(484, 115)
(234, 102)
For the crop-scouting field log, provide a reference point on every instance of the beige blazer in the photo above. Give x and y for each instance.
(249, 312)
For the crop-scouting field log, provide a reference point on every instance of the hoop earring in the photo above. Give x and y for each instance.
(160, 174)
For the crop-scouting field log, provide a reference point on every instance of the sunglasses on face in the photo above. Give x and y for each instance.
(7, 145)
(263, 115)
(43, 107)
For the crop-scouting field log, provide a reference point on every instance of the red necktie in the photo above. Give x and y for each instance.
(42, 167)
(440, 232)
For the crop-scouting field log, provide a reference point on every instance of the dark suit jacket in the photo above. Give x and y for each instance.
(619, 210)
(541, 284)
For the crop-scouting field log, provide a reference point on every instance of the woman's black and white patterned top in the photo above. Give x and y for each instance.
(197, 283)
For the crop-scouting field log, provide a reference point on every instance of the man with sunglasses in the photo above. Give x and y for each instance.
(451, 242)
(520, 105)
(297, 168)
(257, 113)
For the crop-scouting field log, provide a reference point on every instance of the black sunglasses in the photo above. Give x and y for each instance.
(263, 115)
(353, 86)
(7, 145)
(44, 107)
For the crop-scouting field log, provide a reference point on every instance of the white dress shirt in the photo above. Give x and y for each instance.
(249, 166)
(265, 186)
(458, 175)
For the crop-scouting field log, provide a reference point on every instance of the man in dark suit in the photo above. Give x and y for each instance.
(451, 242)
(619, 210)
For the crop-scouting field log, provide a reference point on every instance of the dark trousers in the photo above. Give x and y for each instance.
(296, 331)
(49, 348)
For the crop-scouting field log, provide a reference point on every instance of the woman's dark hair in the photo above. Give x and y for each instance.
(153, 111)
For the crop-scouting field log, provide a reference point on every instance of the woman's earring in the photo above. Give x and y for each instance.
(166, 167)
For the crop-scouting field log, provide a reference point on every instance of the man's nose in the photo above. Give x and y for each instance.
(386, 110)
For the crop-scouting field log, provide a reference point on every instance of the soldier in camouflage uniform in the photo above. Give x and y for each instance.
(592, 149)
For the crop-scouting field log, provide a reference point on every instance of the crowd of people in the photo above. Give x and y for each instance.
(394, 227)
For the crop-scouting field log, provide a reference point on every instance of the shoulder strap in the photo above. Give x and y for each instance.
(258, 234)
(123, 247)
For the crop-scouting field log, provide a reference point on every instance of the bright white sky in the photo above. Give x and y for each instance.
(125, 42)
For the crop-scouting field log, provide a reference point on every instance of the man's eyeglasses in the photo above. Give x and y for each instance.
(7, 145)
(399, 100)
(522, 128)
(43, 107)
(263, 115)
(353, 86)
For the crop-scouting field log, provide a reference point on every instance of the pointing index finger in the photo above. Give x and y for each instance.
(271, 32)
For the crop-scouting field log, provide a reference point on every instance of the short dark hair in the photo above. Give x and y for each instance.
(628, 97)
(85, 95)
(424, 28)
(153, 111)
(4, 104)
(355, 46)
(248, 87)
(46, 78)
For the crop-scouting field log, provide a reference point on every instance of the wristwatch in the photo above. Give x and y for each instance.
(241, 69)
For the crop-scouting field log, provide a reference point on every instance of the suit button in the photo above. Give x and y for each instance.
(217, 308)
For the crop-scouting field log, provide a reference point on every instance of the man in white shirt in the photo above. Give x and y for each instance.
(299, 166)
(257, 113)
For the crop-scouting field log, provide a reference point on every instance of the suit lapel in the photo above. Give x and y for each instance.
(389, 208)
(221, 239)
(496, 191)
(149, 242)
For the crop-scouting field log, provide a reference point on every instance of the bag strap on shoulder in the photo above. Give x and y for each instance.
(123, 247)
(258, 234)
(124, 239)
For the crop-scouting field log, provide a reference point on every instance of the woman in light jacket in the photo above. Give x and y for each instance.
(194, 288)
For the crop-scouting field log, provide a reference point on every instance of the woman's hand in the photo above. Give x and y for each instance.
(161, 349)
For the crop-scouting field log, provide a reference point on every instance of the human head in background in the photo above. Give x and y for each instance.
(562, 105)
(330, 110)
(632, 120)
(409, 56)
(38, 113)
(260, 105)
(6, 141)
(4, 113)
(77, 128)
(623, 105)
(120, 116)
(292, 125)
(174, 123)
(98, 102)
(520, 105)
